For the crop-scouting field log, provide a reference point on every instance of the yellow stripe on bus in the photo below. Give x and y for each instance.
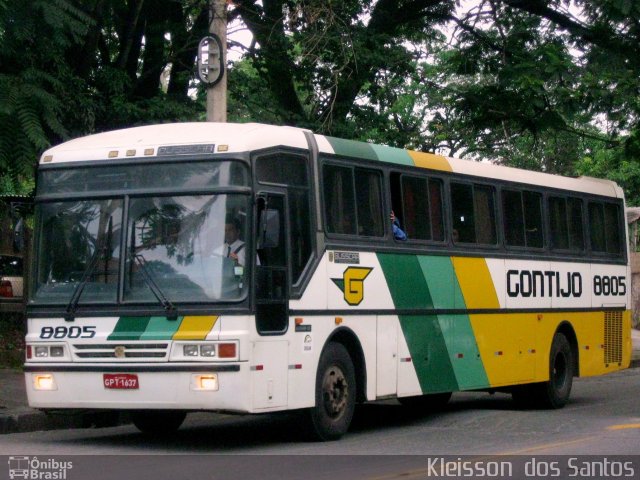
(475, 282)
(195, 328)
(429, 160)
(515, 347)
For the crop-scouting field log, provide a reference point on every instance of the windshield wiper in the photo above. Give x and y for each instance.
(169, 308)
(75, 298)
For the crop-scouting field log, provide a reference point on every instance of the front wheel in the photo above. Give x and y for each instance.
(335, 394)
(158, 422)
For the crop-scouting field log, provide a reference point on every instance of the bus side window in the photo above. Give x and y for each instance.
(604, 227)
(369, 202)
(417, 202)
(353, 201)
(522, 218)
(474, 213)
(565, 216)
(463, 220)
(339, 199)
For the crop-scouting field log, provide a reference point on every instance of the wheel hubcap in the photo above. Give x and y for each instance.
(335, 391)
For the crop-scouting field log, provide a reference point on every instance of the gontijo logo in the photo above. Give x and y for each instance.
(352, 284)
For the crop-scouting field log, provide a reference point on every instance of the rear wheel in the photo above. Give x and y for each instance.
(158, 422)
(555, 392)
(335, 394)
(426, 403)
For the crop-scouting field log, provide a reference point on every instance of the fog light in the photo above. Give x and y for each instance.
(190, 350)
(56, 351)
(42, 352)
(208, 350)
(44, 382)
(207, 381)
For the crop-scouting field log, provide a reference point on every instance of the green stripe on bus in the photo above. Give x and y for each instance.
(424, 337)
(393, 155)
(406, 281)
(440, 277)
(129, 328)
(351, 148)
(443, 347)
(429, 354)
(463, 350)
(159, 328)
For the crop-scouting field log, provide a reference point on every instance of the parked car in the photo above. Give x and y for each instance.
(11, 283)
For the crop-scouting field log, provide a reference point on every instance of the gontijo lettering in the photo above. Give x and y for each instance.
(538, 283)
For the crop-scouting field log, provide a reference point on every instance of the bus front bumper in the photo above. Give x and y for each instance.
(180, 387)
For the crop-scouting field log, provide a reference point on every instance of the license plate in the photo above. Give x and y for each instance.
(120, 381)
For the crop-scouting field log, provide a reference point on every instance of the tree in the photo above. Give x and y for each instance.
(544, 84)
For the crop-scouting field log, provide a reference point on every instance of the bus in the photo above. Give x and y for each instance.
(508, 280)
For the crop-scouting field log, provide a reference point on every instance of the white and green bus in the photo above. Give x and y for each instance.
(253, 268)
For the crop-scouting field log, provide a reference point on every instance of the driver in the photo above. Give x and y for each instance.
(234, 248)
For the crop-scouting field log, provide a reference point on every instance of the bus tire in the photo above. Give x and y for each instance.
(555, 392)
(426, 403)
(158, 422)
(335, 394)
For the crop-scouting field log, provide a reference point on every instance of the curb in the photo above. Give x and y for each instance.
(25, 419)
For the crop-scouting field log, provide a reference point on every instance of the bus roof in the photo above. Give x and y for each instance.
(234, 138)
(145, 141)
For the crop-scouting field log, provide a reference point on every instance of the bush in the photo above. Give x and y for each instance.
(12, 332)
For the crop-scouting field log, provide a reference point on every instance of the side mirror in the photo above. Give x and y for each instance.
(269, 234)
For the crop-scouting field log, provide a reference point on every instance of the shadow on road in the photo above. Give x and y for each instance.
(209, 432)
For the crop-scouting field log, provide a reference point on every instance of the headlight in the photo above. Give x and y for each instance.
(42, 352)
(207, 350)
(190, 350)
(56, 351)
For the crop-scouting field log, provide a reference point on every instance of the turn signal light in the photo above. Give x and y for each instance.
(226, 350)
(6, 290)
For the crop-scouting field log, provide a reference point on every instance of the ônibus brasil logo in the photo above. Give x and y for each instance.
(32, 468)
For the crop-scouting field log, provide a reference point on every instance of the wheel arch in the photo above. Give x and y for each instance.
(567, 330)
(347, 338)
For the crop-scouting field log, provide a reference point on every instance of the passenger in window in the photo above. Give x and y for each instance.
(455, 235)
(233, 246)
(398, 233)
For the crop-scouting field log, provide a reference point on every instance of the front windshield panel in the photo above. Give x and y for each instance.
(191, 247)
(73, 237)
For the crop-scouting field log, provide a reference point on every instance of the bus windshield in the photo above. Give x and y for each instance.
(188, 247)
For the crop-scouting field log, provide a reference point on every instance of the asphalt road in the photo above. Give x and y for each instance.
(386, 441)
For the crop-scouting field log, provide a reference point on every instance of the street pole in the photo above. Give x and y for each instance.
(217, 94)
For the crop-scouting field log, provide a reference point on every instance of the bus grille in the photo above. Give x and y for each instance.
(612, 337)
(121, 351)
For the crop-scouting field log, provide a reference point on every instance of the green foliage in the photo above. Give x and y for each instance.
(34, 36)
(520, 83)
(12, 334)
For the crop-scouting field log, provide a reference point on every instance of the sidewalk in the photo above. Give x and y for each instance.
(16, 416)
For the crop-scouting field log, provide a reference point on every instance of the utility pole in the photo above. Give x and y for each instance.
(217, 93)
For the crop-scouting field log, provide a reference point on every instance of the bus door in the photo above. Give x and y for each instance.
(270, 352)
